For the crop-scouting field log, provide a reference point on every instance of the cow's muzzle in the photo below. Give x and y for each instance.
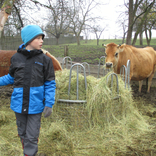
(109, 64)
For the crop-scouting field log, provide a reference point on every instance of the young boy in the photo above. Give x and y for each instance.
(32, 75)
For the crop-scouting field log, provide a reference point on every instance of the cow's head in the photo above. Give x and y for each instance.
(112, 51)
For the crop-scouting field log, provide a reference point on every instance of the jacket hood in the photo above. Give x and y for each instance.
(28, 53)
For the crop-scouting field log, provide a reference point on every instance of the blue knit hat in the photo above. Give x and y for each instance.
(30, 32)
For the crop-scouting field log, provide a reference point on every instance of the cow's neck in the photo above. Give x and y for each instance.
(122, 60)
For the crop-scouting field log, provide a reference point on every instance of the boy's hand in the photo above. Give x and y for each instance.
(47, 111)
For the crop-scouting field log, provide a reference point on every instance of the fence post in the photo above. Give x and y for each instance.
(66, 52)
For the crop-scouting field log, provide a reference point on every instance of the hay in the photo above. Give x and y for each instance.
(117, 118)
(102, 126)
(55, 141)
(101, 107)
(62, 81)
(106, 111)
(9, 140)
(3, 117)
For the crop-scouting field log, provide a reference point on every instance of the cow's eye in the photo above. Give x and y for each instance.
(116, 54)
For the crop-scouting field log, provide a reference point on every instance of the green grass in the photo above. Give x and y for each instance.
(117, 41)
(82, 53)
(88, 52)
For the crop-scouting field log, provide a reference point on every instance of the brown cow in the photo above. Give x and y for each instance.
(142, 61)
(5, 56)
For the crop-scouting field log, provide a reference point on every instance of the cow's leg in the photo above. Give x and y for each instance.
(150, 79)
(140, 85)
(146, 83)
(150, 82)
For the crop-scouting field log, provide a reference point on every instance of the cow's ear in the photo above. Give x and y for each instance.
(104, 45)
(121, 47)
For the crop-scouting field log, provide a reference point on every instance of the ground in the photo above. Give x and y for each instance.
(148, 97)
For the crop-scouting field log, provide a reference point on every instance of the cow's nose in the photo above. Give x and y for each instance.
(109, 64)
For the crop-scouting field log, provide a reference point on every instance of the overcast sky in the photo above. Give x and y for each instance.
(110, 13)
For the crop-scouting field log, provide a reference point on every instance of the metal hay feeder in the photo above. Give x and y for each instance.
(78, 65)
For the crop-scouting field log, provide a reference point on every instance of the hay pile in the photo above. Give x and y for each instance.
(118, 118)
(9, 140)
(102, 126)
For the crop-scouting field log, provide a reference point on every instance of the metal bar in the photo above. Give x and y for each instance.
(64, 59)
(99, 65)
(72, 101)
(84, 64)
(77, 83)
(128, 73)
(117, 87)
(77, 64)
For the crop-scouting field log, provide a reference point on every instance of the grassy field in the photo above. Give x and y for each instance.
(87, 52)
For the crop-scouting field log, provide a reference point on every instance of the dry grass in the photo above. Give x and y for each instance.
(102, 126)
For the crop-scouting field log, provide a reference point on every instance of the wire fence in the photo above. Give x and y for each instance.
(12, 43)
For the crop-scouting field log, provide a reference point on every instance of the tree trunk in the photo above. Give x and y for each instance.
(3, 19)
(141, 38)
(142, 22)
(4, 13)
(130, 23)
(86, 40)
(148, 39)
(78, 40)
(57, 41)
(150, 36)
(97, 41)
(123, 38)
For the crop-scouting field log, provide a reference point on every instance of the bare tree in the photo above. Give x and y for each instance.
(80, 14)
(136, 14)
(132, 9)
(123, 25)
(98, 31)
(5, 12)
(86, 33)
(15, 21)
(144, 13)
(58, 19)
(148, 26)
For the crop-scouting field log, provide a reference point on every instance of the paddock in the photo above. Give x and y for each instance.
(76, 129)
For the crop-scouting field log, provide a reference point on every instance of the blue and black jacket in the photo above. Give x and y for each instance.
(33, 78)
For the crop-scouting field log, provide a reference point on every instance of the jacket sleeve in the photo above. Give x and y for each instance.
(49, 83)
(5, 80)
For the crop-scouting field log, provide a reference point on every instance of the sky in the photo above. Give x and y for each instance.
(110, 12)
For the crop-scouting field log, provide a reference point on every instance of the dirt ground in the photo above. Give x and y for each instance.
(148, 97)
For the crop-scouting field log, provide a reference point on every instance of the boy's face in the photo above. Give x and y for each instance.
(35, 44)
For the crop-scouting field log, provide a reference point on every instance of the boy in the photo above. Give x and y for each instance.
(32, 75)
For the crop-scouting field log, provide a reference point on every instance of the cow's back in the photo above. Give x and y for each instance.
(142, 61)
(5, 56)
